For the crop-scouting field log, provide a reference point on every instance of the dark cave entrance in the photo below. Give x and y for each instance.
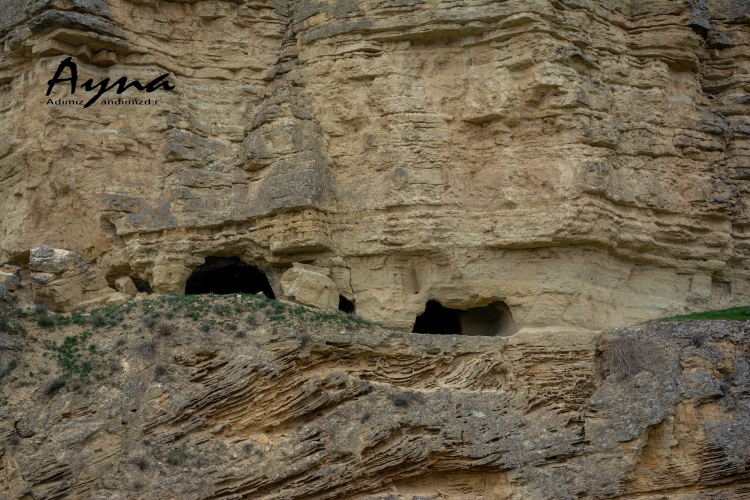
(224, 275)
(492, 320)
(438, 319)
(142, 286)
(346, 305)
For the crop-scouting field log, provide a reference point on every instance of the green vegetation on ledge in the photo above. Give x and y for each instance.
(734, 314)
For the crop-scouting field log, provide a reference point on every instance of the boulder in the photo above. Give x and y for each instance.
(64, 281)
(10, 276)
(310, 286)
(125, 285)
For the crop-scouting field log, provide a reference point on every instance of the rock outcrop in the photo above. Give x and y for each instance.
(296, 408)
(311, 286)
(464, 152)
(64, 281)
(125, 285)
(10, 277)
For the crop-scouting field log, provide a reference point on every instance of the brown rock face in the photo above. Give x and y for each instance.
(63, 280)
(297, 409)
(582, 162)
(310, 287)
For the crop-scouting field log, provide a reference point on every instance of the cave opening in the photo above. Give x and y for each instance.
(142, 286)
(438, 319)
(492, 320)
(224, 275)
(489, 321)
(346, 305)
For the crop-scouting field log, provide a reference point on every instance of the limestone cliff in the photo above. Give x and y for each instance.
(584, 162)
(238, 397)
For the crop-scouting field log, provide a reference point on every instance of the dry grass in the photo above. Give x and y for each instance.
(147, 349)
(628, 356)
(165, 329)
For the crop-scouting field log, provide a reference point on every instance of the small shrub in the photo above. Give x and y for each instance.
(97, 320)
(77, 318)
(178, 455)
(697, 339)
(629, 356)
(149, 321)
(114, 365)
(241, 334)
(41, 308)
(231, 326)
(46, 321)
(404, 399)
(205, 327)
(169, 315)
(75, 385)
(7, 366)
(365, 417)
(14, 440)
(120, 342)
(160, 370)
(165, 329)
(247, 448)
(250, 320)
(147, 349)
(141, 462)
(53, 386)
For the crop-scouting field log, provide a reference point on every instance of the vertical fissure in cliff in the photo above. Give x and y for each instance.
(492, 320)
(224, 275)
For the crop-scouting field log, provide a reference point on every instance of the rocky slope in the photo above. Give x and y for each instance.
(240, 397)
(465, 151)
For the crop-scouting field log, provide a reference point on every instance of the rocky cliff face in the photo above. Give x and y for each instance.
(584, 162)
(240, 397)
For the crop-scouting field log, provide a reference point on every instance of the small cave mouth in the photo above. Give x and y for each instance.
(346, 305)
(225, 275)
(489, 321)
(438, 320)
(142, 286)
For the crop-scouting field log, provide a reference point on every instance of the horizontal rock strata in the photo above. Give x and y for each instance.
(585, 162)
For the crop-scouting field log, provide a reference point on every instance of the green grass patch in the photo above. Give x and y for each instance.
(733, 314)
(74, 358)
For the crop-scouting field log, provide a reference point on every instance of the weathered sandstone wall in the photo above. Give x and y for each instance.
(304, 409)
(585, 162)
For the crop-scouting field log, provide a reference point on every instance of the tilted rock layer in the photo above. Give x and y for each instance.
(585, 162)
(302, 409)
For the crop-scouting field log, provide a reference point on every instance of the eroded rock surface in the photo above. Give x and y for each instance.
(63, 280)
(311, 286)
(301, 409)
(584, 162)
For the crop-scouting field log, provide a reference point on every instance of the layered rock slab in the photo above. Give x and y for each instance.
(339, 411)
(583, 162)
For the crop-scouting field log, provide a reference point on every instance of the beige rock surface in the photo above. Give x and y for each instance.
(125, 285)
(584, 162)
(310, 286)
(10, 276)
(300, 408)
(64, 281)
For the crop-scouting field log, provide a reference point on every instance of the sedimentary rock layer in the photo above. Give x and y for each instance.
(584, 162)
(310, 409)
